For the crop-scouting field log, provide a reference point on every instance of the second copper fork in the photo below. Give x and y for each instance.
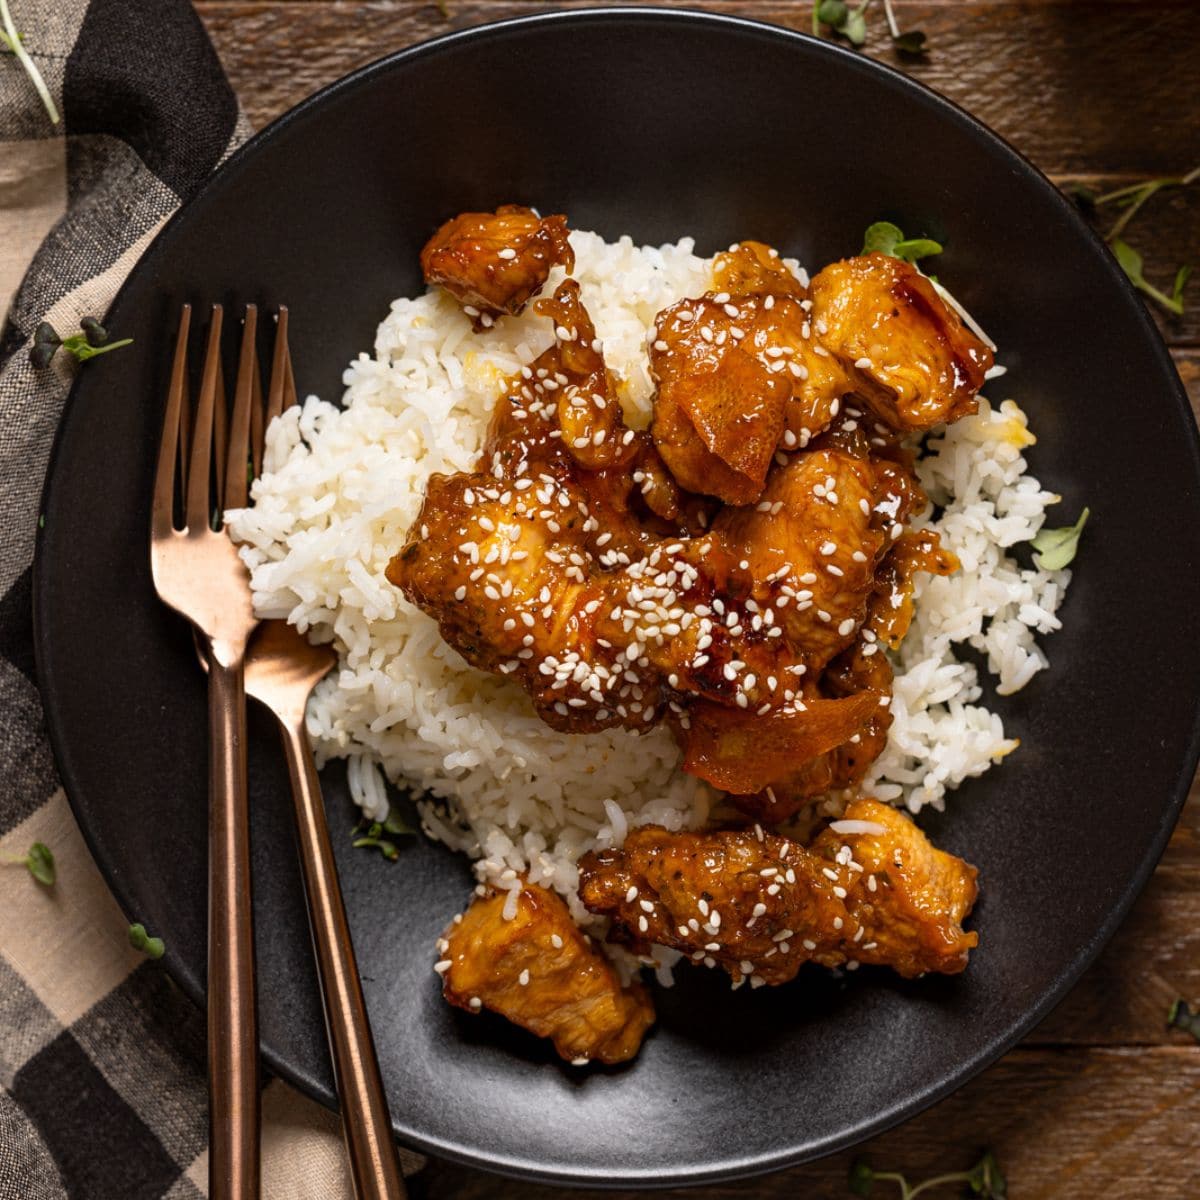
(197, 572)
(282, 667)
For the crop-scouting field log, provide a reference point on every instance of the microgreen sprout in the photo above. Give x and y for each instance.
(91, 340)
(379, 834)
(985, 1179)
(842, 18)
(14, 43)
(1055, 548)
(911, 41)
(39, 862)
(889, 239)
(151, 947)
(1130, 200)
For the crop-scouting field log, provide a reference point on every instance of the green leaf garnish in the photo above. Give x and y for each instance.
(832, 12)
(1182, 1017)
(91, 340)
(1055, 548)
(854, 27)
(1130, 200)
(79, 346)
(1133, 196)
(152, 947)
(40, 862)
(14, 43)
(851, 23)
(861, 1178)
(1130, 261)
(1181, 278)
(889, 239)
(911, 42)
(378, 835)
(985, 1180)
(1083, 195)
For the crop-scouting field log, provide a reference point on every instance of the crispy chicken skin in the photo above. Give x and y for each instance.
(540, 971)
(759, 905)
(494, 262)
(914, 361)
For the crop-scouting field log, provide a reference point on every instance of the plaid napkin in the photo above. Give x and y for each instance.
(102, 1060)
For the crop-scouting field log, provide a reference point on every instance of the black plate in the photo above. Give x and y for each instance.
(656, 124)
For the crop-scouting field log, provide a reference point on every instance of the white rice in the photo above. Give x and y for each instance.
(341, 487)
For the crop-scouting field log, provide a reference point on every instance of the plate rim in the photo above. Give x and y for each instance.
(984, 1055)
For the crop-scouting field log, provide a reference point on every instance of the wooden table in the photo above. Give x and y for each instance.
(1101, 1099)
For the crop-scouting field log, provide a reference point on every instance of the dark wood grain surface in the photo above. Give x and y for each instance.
(1101, 1099)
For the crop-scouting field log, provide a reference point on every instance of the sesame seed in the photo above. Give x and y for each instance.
(556, 941)
(507, 252)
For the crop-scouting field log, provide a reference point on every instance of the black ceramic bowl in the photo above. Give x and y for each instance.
(656, 124)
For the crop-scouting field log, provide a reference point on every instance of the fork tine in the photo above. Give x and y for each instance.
(162, 519)
(220, 430)
(239, 429)
(289, 383)
(185, 437)
(281, 363)
(198, 513)
(257, 425)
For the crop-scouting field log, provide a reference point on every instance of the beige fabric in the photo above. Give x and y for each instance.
(29, 439)
(68, 943)
(33, 195)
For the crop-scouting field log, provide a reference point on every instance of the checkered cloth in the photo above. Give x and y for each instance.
(102, 1060)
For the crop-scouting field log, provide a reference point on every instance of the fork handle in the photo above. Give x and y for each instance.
(374, 1165)
(233, 1096)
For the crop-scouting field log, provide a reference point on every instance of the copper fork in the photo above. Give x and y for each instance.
(281, 669)
(198, 573)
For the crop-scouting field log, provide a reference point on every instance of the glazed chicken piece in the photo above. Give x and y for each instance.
(540, 971)
(913, 360)
(494, 262)
(739, 374)
(869, 889)
(860, 670)
(763, 358)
